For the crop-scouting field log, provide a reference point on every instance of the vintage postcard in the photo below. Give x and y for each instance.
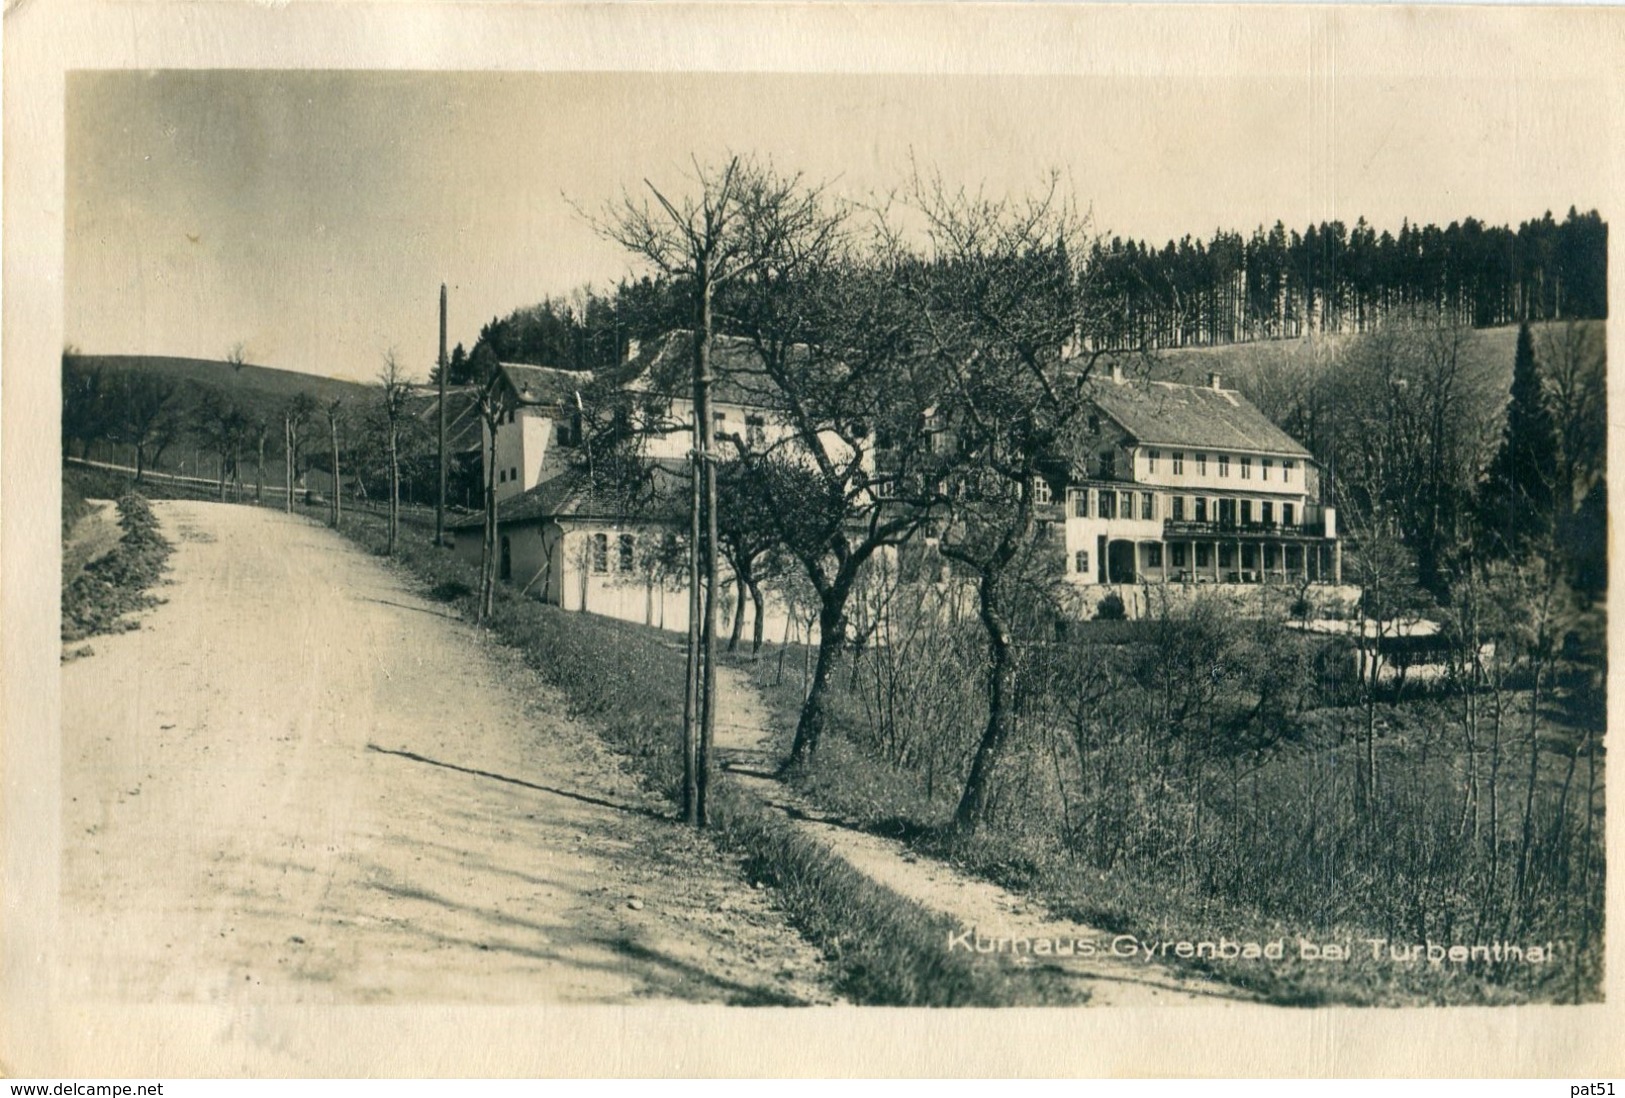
(669, 539)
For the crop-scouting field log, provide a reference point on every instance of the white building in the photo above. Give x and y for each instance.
(1192, 484)
(570, 542)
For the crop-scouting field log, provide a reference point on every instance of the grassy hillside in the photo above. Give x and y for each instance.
(1491, 348)
(254, 384)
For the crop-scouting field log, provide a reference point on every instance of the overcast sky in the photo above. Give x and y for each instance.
(312, 216)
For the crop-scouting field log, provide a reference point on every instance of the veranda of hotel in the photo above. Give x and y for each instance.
(1116, 533)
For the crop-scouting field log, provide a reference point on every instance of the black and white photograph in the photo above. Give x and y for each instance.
(1119, 538)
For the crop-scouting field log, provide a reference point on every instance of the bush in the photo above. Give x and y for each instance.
(108, 589)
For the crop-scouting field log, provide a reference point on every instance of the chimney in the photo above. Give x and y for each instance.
(633, 346)
(1117, 371)
(1213, 382)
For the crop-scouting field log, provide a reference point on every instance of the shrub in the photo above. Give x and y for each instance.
(100, 596)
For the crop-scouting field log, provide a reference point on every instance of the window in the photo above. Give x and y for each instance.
(1286, 469)
(1264, 468)
(1080, 561)
(1267, 513)
(1178, 550)
(1227, 556)
(1246, 468)
(1204, 554)
(1224, 465)
(755, 432)
(600, 553)
(513, 473)
(1227, 512)
(1246, 511)
(502, 476)
(1153, 556)
(1108, 465)
(1045, 532)
(1179, 508)
(1201, 508)
(1080, 502)
(1151, 460)
(1201, 465)
(1125, 506)
(1148, 506)
(1287, 514)
(625, 560)
(1041, 492)
(1179, 463)
(1108, 504)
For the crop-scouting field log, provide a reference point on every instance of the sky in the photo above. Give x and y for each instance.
(311, 216)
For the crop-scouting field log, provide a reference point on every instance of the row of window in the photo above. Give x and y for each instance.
(505, 475)
(1268, 557)
(1108, 504)
(1266, 466)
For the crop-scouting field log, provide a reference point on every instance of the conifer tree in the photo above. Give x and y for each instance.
(1518, 499)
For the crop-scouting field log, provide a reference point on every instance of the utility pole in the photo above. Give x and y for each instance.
(440, 497)
(708, 692)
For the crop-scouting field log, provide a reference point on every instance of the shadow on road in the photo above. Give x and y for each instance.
(629, 809)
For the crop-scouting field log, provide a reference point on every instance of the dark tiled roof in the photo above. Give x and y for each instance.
(666, 366)
(462, 416)
(544, 384)
(1165, 413)
(575, 493)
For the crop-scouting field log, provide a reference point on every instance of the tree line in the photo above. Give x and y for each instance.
(1333, 278)
(374, 443)
(1276, 283)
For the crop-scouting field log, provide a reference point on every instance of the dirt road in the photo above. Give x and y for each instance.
(299, 782)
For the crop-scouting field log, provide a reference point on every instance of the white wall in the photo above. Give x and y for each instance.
(1279, 481)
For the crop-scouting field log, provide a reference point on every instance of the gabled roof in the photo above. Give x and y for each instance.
(462, 416)
(574, 493)
(1167, 413)
(544, 384)
(666, 366)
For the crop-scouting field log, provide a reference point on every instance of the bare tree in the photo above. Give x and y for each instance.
(335, 416)
(997, 305)
(149, 417)
(223, 428)
(394, 392)
(296, 417)
(495, 398)
(697, 241)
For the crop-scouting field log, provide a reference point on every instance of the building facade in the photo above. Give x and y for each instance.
(1192, 484)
